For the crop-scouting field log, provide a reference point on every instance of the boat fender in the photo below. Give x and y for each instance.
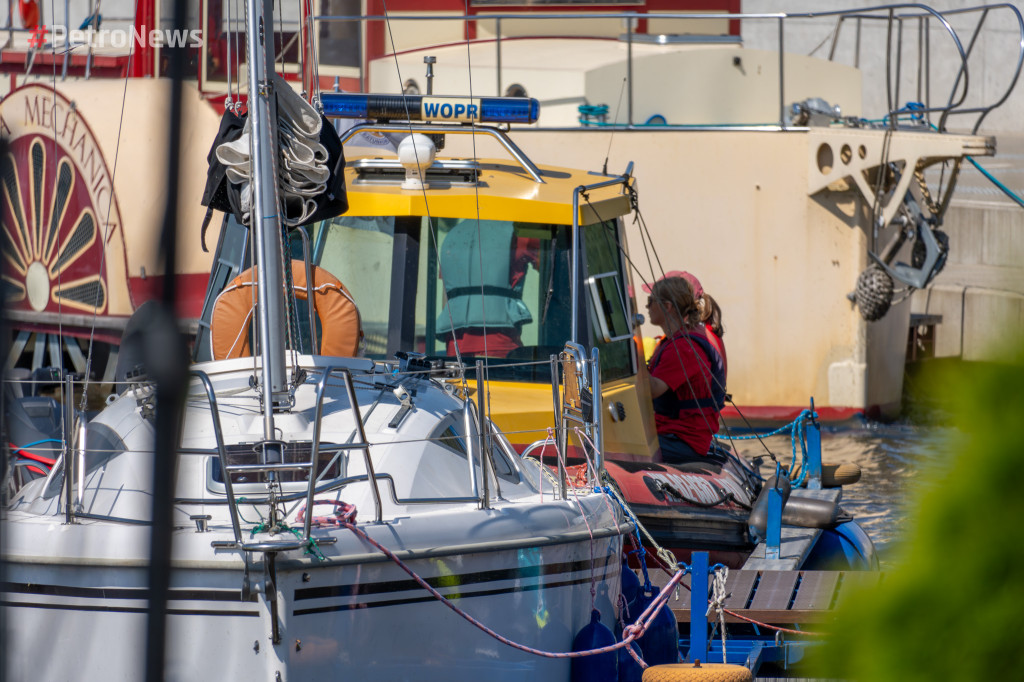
(661, 641)
(698, 672)
(838, 475)
(629, 669)
(599, 667)
(758, 520)
(807, 512)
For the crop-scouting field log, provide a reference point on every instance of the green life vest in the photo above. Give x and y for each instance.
(476, 266)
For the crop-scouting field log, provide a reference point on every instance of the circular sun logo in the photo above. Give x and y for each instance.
(52, 244)
(55, 192)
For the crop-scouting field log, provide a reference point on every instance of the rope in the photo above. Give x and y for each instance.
(718, 595)
(630, 632)
(773, 627)
(797, 431)
(1006, 190)
(282, 527)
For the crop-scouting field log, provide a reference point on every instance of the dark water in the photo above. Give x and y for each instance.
(893, 459)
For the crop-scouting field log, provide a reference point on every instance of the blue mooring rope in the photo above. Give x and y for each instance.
(641, 552)
(797, 430)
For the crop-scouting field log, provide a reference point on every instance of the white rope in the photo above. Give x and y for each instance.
(717, 603)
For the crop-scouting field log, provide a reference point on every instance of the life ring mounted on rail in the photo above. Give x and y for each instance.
(341, 330)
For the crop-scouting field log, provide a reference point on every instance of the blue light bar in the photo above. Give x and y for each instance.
(433, 109)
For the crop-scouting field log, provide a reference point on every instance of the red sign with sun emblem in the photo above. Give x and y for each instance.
(60, 214)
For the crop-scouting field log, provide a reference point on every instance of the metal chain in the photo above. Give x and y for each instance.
(933, 208)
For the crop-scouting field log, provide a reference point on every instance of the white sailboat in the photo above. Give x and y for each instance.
(315, 499)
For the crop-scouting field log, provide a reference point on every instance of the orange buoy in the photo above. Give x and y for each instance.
(341, 331)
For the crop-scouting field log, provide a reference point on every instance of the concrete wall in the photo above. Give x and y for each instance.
(980, 294)
(990, 67)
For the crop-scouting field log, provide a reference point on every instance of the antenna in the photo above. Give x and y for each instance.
(430, 61)
(604, 169)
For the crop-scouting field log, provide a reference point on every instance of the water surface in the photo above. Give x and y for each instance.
(893, 459)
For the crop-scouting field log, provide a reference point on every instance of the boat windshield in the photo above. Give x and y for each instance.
(453, 287)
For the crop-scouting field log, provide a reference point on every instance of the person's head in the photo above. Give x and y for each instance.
(711, 314)
(698, 290)
(672, 303)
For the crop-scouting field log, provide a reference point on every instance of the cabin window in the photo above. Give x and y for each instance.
(339, 41)
(491, 289)
(602, 250)
(102, 445)
(450, 436)
(223, 42)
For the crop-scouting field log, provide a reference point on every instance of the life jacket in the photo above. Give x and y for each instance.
(477, 266)
(669, 404)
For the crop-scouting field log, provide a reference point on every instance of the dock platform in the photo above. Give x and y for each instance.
(779, 597)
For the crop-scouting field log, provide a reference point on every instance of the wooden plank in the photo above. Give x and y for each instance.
(771, 617)
(774, 591)
(817, 590)
(796, 545)
(738, 588)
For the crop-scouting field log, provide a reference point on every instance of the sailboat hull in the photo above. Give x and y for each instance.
(354, 613)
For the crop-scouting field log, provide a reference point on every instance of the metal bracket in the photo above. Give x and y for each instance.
(935, 254)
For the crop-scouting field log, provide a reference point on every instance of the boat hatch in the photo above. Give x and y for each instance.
(447, 172)
(328, 464)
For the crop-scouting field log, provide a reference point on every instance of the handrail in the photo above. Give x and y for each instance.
(346, 375)
(218, 436)
(984, 111)
(522, 159)
(894, 14)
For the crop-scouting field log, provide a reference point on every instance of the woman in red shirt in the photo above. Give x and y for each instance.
(687, 373)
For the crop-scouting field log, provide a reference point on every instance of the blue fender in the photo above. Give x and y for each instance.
(845, 547)
(599, 667)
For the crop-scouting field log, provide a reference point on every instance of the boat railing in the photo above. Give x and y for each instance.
(271, 468)
(932, 101)
(434, 129)
(898, 18)
(478, 459)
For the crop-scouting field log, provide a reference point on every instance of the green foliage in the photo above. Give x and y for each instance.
(953, 607)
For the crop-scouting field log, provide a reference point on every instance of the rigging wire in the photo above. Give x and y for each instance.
(611, 135)
(479, 241)
(31, 246)
(632, 265)
(430, 220)
(230, 103)
(106, 236)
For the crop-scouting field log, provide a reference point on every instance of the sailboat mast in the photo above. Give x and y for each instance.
(266, 225)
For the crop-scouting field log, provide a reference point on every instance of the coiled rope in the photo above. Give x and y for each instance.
(797, 430)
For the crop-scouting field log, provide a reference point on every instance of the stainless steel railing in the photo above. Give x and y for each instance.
(895, 18)
(898, 18)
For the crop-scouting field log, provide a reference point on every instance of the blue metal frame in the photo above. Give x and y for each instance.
(749, 650)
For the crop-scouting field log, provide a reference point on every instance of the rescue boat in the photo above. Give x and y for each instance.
(459, 258)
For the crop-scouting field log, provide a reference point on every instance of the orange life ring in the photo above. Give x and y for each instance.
(341, 331)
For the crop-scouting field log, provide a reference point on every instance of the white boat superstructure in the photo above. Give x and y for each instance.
(262, 588)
